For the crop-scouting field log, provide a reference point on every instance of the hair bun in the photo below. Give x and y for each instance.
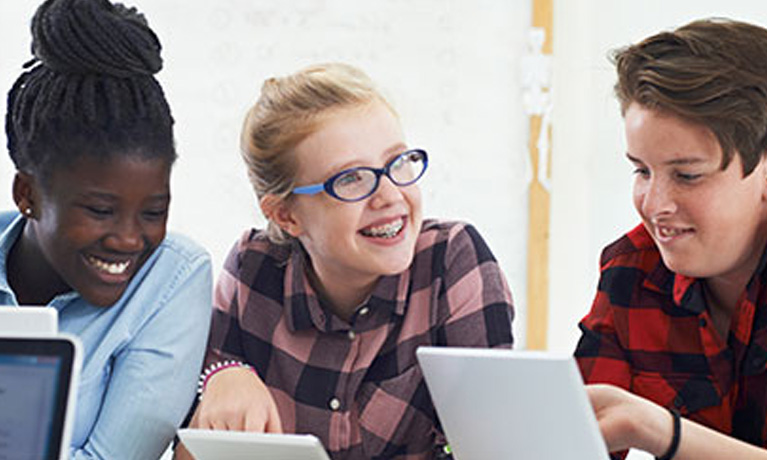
(94, 37)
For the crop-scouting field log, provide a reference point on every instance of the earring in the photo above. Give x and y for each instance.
(28, 212)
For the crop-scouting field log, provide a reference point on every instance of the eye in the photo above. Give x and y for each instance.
(399, 162)
(155, 214)
(685, 177)
(99, 212)
(642, 172)
(348, 179)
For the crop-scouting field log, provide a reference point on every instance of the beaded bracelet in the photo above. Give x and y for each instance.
(214, 369)
(675, 437)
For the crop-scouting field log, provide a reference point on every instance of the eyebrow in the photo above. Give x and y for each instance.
(676, 161)
(397, 148)
(113, 197)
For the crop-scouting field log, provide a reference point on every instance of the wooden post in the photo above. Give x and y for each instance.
(539, 201)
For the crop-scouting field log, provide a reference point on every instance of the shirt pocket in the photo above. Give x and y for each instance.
(688, 393)
(397, 412)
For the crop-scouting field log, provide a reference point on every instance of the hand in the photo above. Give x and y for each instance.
(627, 420)
(236, 399)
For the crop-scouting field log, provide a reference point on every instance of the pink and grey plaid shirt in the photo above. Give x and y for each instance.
(356, 385)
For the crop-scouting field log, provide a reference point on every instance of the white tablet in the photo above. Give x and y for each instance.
(238, 445)
(16, 321)
(505, 404)
(38, 390)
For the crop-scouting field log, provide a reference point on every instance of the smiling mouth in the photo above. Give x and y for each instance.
(389, 230)
(112, 268)
(667, 232)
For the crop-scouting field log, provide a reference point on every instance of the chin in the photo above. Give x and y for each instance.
(684, 268)
(103, 300)
(396, 267)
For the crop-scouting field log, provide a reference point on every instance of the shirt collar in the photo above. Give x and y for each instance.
(304, 309)
(7, 239)
(688, 292)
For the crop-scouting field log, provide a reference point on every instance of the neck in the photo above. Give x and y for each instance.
(342, 294)
(30, 276)
(726, 289)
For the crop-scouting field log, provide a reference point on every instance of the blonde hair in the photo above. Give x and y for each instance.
(289, 109)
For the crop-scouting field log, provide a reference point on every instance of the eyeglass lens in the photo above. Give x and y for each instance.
(360, 182)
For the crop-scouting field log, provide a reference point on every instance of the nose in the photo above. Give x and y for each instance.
(654, 198)
(387, 193)
(126, 236)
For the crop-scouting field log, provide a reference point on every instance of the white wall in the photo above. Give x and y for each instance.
(591, 199)
(450, 67)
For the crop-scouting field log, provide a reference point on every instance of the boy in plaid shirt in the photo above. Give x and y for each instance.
(680, 316)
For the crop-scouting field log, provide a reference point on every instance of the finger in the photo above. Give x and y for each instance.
(255, 423)
(195, 421)
(273, 423)
(217, 424)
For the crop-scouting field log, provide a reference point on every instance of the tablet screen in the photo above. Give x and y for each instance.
(34, 388)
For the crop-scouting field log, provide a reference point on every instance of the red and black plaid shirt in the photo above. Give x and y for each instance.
(649, 331)
(356, 385)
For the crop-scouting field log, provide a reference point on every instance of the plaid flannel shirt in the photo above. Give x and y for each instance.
(649, 331)
(356, 385)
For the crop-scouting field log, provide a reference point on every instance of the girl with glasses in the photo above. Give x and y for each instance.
(317, 318)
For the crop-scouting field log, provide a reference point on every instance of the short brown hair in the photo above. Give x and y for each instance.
(712, 72)
(289, 109)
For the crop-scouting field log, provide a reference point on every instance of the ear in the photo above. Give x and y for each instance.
(278, 211)
(25, 194)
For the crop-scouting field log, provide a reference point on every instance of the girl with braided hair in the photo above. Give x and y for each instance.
(90, 133)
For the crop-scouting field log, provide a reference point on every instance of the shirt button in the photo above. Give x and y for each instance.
(334, 404)
(351, 335)
(364, 311)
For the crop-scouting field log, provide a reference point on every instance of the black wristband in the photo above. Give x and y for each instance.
(675, 437)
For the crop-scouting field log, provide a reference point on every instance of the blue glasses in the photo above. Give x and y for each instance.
(358, 183)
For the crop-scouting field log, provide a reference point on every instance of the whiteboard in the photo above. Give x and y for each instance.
(450, 67)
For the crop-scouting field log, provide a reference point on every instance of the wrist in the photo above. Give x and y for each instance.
(676, 434)
(652, 427)
(216, 368)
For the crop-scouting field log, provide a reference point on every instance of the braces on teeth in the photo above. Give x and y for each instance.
(386, 231)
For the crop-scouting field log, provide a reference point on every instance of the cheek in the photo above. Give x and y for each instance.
(413, 197)
(638, 197)
(331, 224)
(156, 234)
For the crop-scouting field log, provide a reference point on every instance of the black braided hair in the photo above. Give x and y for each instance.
(89, 90)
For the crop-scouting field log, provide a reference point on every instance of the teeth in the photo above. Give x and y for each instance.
(669, 232)
(384, 231)
(115, 268)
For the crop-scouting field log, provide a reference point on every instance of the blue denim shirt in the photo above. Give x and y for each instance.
(141, 356)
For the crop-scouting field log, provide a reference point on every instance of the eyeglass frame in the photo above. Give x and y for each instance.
(327, 186)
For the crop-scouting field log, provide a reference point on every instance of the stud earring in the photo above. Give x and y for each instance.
(28, 212)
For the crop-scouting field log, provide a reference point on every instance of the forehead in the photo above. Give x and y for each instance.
(112, 173)
(359, 135)
(654, 135)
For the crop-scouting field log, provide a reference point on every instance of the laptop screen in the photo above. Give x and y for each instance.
(35, 379)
